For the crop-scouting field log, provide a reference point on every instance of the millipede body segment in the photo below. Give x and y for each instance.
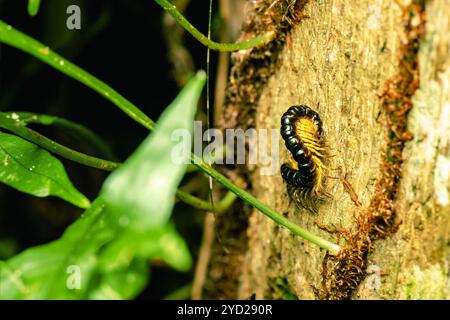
(301, 129)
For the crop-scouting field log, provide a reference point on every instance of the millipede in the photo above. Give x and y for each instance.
(301, 129)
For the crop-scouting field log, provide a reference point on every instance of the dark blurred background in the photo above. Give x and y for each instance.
(132, 47)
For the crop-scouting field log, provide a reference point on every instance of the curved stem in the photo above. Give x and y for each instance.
(52, 146)
(78, 130)
(241, 45)
(198, 203)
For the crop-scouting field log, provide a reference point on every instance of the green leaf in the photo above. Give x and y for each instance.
(141, 191)
(112, 262)
(122, 283)
(42, 272)
(163, 244)
(30, 169)
(33, 7)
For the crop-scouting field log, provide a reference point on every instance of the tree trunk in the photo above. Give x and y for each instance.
(378, 74)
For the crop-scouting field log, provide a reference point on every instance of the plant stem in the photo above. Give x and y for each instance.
(241, 45)
(23, 42)
(78, 130)
(275, 216)
(54, 147)
(198, 203)
(212, 157)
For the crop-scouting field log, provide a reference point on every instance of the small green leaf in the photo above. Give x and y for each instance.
(33, 7)
(30, 169)
(141, 191)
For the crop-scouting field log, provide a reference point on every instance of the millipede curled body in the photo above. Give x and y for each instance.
(301, 129)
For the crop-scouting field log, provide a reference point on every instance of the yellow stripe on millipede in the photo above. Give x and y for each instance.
(308, 132)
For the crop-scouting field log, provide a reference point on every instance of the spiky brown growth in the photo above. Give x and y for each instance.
(342, 274)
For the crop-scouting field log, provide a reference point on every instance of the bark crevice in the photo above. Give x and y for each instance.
(343, 274)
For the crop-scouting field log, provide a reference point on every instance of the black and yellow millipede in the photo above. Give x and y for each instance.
(301, 129)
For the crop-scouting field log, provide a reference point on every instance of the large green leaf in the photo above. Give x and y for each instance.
(109, 251)
(111, 262)
(142, 190)
(31, 169)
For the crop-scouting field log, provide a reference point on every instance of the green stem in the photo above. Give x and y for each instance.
(191, 168)
(23, 42)
(241, 45)
(17, 127)
(275, 216)
(198, 203)
(79, 131)
(212, 157)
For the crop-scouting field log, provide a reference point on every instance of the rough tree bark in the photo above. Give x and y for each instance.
(378, 73)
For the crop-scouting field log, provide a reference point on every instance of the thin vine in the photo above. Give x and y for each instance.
(241, 45)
